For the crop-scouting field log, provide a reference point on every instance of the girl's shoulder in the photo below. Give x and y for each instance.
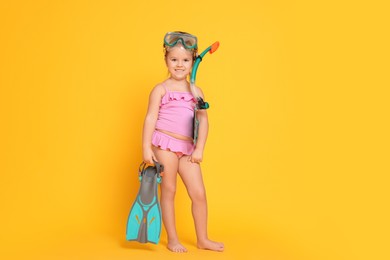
(199, 90)
(159, 89)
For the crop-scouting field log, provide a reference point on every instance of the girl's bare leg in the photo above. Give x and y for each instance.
(191, 175)
(168, 190)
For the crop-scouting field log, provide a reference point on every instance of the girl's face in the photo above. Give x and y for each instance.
(179, 62)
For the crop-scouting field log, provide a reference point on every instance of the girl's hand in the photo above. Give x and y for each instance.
(196, 156)
(149, 156)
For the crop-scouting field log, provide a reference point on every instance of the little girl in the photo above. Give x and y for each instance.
(167, 138)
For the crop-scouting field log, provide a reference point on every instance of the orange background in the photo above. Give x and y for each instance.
(296, 165)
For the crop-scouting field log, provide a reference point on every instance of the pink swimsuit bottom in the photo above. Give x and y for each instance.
(169, 143)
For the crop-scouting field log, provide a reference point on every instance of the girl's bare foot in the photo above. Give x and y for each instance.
(177, 247)
(211, 245)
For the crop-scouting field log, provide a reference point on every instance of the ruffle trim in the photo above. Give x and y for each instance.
(172, 144)
(169, 96)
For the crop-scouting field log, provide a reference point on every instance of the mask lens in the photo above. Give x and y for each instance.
(190, 42)
(171, 39)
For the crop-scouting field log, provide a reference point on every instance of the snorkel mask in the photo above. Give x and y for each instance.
(189, 41)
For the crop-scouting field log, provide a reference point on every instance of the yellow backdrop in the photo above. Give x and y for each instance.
(296, 163)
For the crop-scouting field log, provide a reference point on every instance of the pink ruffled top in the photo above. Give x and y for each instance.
(176, 113)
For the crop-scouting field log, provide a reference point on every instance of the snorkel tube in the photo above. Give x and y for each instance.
(201, 103)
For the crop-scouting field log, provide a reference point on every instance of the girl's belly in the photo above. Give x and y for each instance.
(177, 136)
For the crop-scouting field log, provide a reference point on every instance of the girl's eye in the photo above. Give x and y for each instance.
(173, 59)
(186, 60)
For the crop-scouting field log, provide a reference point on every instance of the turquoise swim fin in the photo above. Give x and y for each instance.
(144, 221)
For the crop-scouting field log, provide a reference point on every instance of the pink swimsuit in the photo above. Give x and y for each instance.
(176, 115)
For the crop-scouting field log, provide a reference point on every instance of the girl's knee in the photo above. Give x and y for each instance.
(198, 196)
(168, 191)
